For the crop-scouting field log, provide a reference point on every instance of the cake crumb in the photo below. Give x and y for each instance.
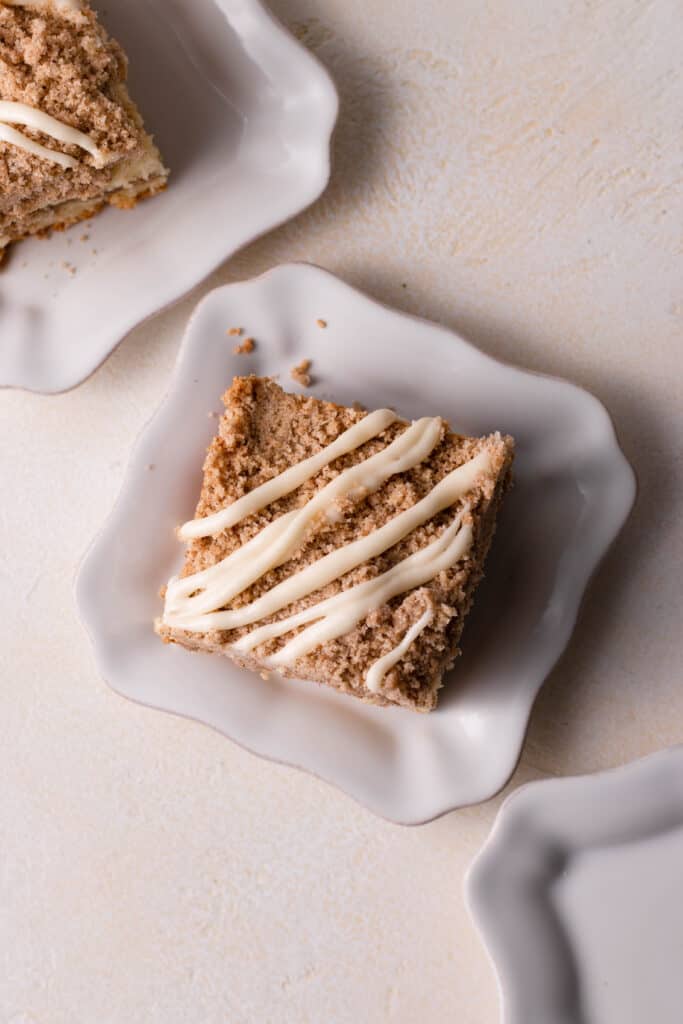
(235, 331)
(248, 345)
(85, 238)
(300, 373)
(321, 323)
(359, 407)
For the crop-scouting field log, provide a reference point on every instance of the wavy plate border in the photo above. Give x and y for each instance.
(429, 771)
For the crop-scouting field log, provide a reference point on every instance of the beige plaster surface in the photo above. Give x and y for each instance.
(514, 170)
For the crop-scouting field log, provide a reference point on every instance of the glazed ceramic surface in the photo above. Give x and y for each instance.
(243, 116)
(573, 490)
(577, 895)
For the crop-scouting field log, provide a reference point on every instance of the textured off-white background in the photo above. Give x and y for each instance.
(516, 171)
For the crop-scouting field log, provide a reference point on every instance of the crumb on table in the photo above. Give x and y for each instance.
(248, 345)
(300, 373)
(235, 331)
(321, 323)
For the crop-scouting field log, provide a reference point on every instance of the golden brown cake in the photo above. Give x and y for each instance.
(71, 138)
(336, 545)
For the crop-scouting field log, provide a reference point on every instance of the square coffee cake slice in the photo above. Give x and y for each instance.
(71, 138)
(335, 545)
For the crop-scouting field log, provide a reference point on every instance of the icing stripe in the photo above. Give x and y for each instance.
(180, 592)
(378, 671)
(22, 113)
(338, 615)
(15, 138)
(367, 428)
(181, 610)
(246, 565)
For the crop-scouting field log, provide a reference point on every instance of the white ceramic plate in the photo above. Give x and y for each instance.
(573, 491)
(243, 115)
(578, 896)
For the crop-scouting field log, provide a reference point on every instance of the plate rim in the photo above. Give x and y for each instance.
(492, 860)
(175, 379)
(315, 187)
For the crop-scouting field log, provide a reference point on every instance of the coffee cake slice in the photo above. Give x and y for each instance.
(335, 545)
(71, 138)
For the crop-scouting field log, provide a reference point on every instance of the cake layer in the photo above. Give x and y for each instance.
(336, 546)
(124, 195)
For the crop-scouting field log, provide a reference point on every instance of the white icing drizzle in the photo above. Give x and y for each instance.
(378, 671)
(201, 591)
(194, 603)
(21, 113)
(15, 138)
(367, 428)
(338, 615)
(285, 536)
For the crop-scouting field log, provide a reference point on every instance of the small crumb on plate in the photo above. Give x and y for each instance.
(248, 345)
(300, 374)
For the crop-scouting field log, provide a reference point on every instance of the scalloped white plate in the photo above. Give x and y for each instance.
(578, 897)
(243, 115)
(573, 492)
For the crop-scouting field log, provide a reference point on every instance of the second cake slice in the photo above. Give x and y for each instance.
(71, 137)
